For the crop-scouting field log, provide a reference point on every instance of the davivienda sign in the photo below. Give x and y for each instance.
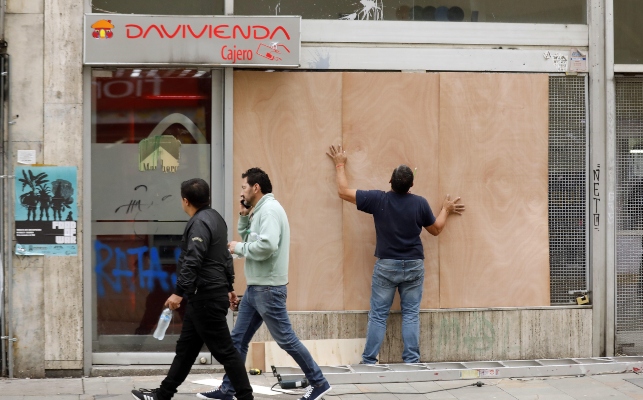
(126, 39)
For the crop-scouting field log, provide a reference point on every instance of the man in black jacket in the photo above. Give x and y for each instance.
(205, 274)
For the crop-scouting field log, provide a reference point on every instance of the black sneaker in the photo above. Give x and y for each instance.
(145, 394)
(316, 392)
(215, 394)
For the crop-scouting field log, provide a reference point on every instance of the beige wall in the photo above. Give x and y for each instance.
(45, 45)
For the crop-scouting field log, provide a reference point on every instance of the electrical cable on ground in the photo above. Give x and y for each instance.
(477, 384)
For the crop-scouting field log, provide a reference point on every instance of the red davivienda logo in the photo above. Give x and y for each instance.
(222, 31)
(103, 29)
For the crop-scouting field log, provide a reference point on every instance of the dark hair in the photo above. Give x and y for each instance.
(402, 179)
(256, 175)
(196, 191)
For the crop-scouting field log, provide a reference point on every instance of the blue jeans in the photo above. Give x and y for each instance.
(407, 276)
(268, 304)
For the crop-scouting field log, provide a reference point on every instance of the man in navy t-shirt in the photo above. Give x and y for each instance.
(399, 219)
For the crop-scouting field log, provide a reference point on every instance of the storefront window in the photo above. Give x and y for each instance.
(628, 32)
(151, 130)
(159, 7)
(522, 11)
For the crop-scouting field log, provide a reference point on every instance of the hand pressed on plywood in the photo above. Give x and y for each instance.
(339, 157)
(452, 206)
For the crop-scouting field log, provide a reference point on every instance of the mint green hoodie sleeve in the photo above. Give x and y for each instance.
(267, 242)
(242, 226)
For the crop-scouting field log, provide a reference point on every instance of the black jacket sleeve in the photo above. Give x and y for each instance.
(229, 271)
(196, 247)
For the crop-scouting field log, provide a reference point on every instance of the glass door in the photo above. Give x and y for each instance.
(151, 130)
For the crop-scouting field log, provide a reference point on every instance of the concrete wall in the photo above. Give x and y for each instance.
(45, 45)
(463, 335)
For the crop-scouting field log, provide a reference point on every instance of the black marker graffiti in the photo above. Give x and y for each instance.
(137, 205)
(596, 197)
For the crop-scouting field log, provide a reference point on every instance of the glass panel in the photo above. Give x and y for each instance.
(628, 32)
(151, 130)
(159, 7)
(525, 11)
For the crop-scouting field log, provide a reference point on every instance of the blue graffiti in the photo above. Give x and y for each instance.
(121, 275)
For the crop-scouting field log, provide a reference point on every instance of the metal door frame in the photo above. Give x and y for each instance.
(218, 189)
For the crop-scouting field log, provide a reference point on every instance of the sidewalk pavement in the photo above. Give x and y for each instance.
(597, 387)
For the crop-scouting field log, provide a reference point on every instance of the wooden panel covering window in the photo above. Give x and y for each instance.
(388, 119)
(483, 137)
(283, 123)
(494, 153)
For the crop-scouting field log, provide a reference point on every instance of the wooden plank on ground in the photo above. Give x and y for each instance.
(324, 352)
(256, 356)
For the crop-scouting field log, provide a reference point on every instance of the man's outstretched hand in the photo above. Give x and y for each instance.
(337, 154)
(452, 206)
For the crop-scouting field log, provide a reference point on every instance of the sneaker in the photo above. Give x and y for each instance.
(316, 392)
(215, 394)
(145, 394)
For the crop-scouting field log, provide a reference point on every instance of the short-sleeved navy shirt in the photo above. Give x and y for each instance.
(399, 220)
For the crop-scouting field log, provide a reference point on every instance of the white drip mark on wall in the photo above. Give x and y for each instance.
(321, 60)
(277, 7)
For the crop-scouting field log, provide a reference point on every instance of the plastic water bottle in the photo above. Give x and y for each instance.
(164, 322)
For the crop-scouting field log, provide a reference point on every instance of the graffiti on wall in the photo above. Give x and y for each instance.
(114, 269)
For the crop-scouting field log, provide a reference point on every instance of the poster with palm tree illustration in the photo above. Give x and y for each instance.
(46, 211)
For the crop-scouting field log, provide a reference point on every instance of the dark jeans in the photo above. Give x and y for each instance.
(268, 304)
(205, 321)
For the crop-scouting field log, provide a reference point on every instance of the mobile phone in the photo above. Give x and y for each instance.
(246, 205)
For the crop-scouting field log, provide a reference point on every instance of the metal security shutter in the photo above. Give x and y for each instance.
(568, 164)
(629, 215)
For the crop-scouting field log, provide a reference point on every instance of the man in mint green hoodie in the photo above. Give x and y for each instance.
(263, 226)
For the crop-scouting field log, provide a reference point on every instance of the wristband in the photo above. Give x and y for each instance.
(339, 165)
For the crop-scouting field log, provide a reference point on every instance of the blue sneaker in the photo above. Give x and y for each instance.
(316, 392)
(215, 394)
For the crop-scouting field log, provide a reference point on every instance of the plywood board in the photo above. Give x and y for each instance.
(256, 356)
(283, 123)
(494, 154)
(388, 119)
(324, 352)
